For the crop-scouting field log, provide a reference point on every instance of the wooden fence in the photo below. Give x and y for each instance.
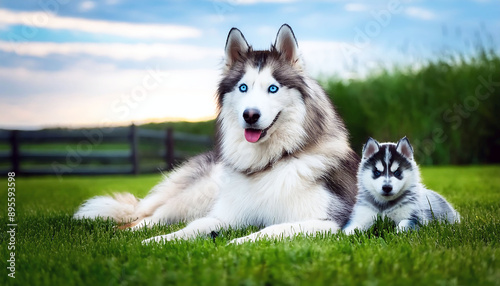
(81, 152)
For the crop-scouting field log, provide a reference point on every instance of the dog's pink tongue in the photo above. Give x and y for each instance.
(252, 135)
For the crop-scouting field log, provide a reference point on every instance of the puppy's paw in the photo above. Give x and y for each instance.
(406, 225)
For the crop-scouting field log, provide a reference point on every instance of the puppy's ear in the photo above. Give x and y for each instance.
(404, 148)
(287, 45)
(236, 47)
(371, 147)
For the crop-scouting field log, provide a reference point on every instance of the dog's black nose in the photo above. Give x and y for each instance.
(387, 188)
(251, 115)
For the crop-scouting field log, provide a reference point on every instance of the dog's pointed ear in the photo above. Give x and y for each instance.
(404, 147)
(286, 44)
(371, 147)
(236, 47)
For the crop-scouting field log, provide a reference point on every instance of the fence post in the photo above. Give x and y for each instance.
(14, 147)
(169, 148)
(134, 149)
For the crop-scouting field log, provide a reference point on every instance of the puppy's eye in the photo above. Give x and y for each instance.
(243, 87)
(272, 88)
(377, 173)
(397, 173)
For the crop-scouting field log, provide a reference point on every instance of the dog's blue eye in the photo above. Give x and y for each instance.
(377, 173)
(243, 87)
(397, 173)
(273, 89)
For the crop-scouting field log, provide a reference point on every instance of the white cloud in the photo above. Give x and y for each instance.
(232, 3)
(86, 6)
(337, 58)
(81, 97)
(346, 60)
(123, 29)
(250, 2)
(420, 13)
(322, 57)
(116, 51)
(355, 7)
(112, 2)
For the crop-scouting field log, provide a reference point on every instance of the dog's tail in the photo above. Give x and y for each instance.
(120, 207)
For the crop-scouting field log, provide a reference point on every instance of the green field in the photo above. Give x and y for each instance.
(54, 249)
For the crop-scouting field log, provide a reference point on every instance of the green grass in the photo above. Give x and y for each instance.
(53, 249)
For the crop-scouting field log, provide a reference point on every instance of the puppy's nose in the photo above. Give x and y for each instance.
(251, 115)
(387, 188)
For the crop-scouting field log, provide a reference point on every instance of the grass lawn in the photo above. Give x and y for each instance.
(53, 249)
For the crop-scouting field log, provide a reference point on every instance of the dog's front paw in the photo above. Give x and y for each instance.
(406, 225)
(248, 238)
(401, 229)
(349, 231)
(161, 238)
(138, 225)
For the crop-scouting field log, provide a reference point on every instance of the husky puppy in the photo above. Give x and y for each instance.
(282, 160)
(389, 185)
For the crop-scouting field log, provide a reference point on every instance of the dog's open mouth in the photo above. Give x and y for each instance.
(253, 135)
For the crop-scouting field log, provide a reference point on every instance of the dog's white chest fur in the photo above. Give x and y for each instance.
(285, 193)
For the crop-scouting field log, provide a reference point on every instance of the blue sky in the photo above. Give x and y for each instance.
(94, 63)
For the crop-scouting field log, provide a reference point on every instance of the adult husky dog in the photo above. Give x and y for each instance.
(282, 159)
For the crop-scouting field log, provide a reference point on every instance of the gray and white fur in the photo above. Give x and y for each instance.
(282, 160)
(389, 186)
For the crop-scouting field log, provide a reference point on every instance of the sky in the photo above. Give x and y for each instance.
(68, 63)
